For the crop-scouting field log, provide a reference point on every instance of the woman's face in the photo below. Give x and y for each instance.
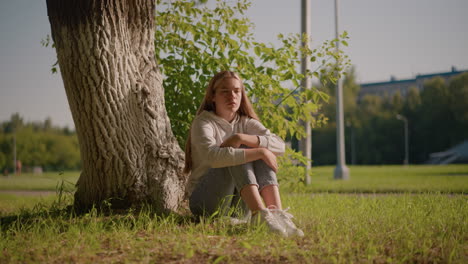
(227, 97)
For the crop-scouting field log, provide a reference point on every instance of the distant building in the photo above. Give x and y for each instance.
(390, 88)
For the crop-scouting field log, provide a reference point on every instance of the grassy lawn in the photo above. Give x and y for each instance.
(364, 179)
(49, 181)
(412, 223)
(14, 204)
(384, 179)
(431, 228)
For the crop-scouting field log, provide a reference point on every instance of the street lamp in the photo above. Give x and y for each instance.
(405, 120)
(341, 170)
(306, 145)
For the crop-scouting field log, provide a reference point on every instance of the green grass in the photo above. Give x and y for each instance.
(367, 179)
(383, 179)
(12, 204)
(48, 181)
(387, 214)
(426, 228)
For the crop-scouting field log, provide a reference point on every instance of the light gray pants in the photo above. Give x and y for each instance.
(219, 189)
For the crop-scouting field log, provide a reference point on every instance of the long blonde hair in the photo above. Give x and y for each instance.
(245, 108)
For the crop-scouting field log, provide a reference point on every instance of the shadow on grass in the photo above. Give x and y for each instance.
(106, 217)
(108, 213)
(60, 217)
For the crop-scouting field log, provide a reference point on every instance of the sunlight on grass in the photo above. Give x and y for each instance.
(339, 228)
(13, 203)
(369, 179)
(48, 181)
(386, 214)
(383, 179)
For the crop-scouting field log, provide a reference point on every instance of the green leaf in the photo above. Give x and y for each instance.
(193, 43)
(258, 51)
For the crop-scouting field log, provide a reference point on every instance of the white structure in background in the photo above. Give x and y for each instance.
(457, 154)
(37, 170)
(306, 143)
(341, 170)
(391, 87)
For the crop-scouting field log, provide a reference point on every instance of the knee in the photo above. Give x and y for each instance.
(260, 165)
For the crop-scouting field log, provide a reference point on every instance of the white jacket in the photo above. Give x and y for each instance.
(209, 131)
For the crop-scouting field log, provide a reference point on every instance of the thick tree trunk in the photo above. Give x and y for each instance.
(105, 51)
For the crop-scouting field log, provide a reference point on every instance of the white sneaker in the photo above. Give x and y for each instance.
(265, 216)
(284, 218)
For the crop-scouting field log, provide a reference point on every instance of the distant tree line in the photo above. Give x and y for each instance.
(437, 117)
(438, 120)
(38, 144)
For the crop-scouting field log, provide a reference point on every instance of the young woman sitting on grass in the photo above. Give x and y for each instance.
(230, 154)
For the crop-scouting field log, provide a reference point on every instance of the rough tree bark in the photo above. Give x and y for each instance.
(105, 51)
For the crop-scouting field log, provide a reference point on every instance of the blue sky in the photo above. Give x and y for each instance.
(387, 37)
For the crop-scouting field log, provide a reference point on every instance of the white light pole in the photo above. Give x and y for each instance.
(341, 170)
(405, 120)
(306, 144)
